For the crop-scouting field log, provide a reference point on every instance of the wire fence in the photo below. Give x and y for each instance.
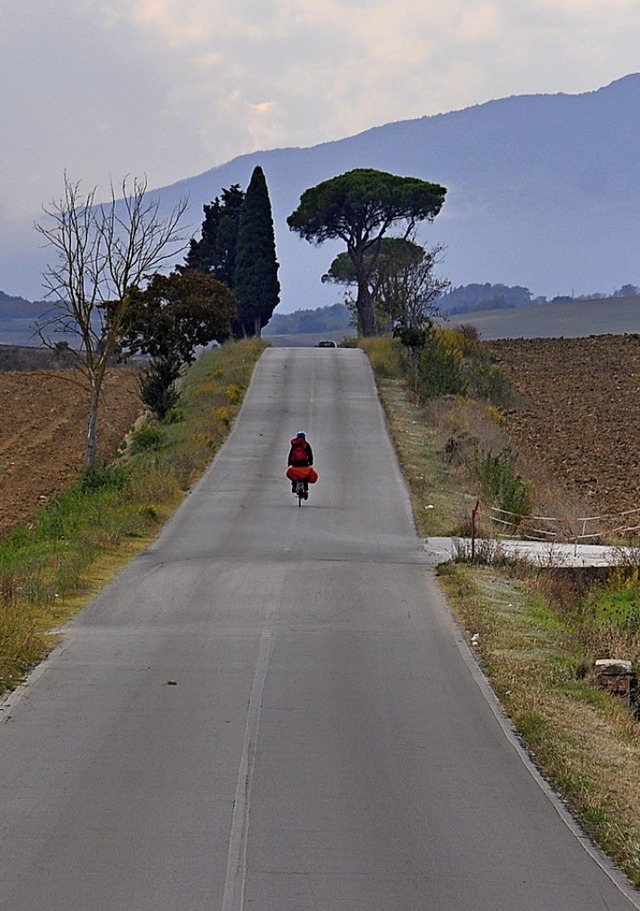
(587, 529)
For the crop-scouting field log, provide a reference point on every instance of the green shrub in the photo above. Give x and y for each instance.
(146, 438)
(500, 481)
(490, 383)
(440, 371)
(173, 416)
(456, 362)
(157, 386)
(99, 478)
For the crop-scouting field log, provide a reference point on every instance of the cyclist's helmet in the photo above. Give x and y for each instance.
(301, 433)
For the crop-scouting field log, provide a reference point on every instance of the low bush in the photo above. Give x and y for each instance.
(173, 416)
(234, 393)
(157, 386)
(100, 477)
(385, 356)
(440, 371)
(147, 438)
(501, 483)
(223, 415)
(349, 341)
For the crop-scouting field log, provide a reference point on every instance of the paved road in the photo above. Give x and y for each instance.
(272, 710)
(439, 550)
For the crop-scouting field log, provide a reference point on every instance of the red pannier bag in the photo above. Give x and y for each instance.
(302, 473)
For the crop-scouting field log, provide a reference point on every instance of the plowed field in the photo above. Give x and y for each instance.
(579, 413)
(42, 441)
(578, 416)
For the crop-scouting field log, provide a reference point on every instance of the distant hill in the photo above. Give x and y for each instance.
(474, 297)
(17, 318)
(544, 193)
(322, 320)
(19, 308)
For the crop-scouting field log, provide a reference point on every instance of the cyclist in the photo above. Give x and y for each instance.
(300, 456)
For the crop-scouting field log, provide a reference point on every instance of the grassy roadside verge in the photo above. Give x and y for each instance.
(52, 566)
(528, 630)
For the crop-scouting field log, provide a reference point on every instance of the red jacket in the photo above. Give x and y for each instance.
(300, 453)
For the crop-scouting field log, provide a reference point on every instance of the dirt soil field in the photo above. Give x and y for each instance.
(43, 434)
(579, 413)
(578, 416)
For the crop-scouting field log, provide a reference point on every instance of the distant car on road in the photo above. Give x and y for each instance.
(326, 343)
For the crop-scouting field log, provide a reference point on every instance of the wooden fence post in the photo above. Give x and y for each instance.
(473, 529)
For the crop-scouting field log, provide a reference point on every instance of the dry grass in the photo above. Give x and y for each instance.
(436, 445)
(439, 503)
(586, 742)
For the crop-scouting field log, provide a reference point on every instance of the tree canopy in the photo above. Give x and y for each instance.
(168, 320)
(215, 252)
(237, 246)
(359, 207)
(467, 298)
(176, 313)
(387, 250)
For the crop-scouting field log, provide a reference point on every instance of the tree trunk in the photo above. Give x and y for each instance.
(414, 362)
(364, 306)
(92, 435)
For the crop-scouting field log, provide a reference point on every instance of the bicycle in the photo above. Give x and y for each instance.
(300, 491)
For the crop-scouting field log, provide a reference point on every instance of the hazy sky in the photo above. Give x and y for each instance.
(170, 88)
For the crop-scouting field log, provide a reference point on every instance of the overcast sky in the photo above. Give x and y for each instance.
(170, 88)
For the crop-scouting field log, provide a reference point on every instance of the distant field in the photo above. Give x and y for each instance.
(578, 319)
(17, 332)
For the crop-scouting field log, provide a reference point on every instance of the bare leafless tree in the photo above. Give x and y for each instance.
(408, 289)
(103, 250)
(407, 294)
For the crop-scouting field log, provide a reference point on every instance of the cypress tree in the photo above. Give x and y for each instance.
(202, 253)
(256, 282)
(215, 252)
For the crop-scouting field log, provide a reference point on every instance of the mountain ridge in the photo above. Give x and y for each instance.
(526, 174)
(543, 191)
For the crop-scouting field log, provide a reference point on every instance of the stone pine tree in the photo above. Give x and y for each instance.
(256, 284)
(360, 207)
(215, 252)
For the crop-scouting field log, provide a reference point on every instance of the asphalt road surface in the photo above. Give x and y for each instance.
(271, 709)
